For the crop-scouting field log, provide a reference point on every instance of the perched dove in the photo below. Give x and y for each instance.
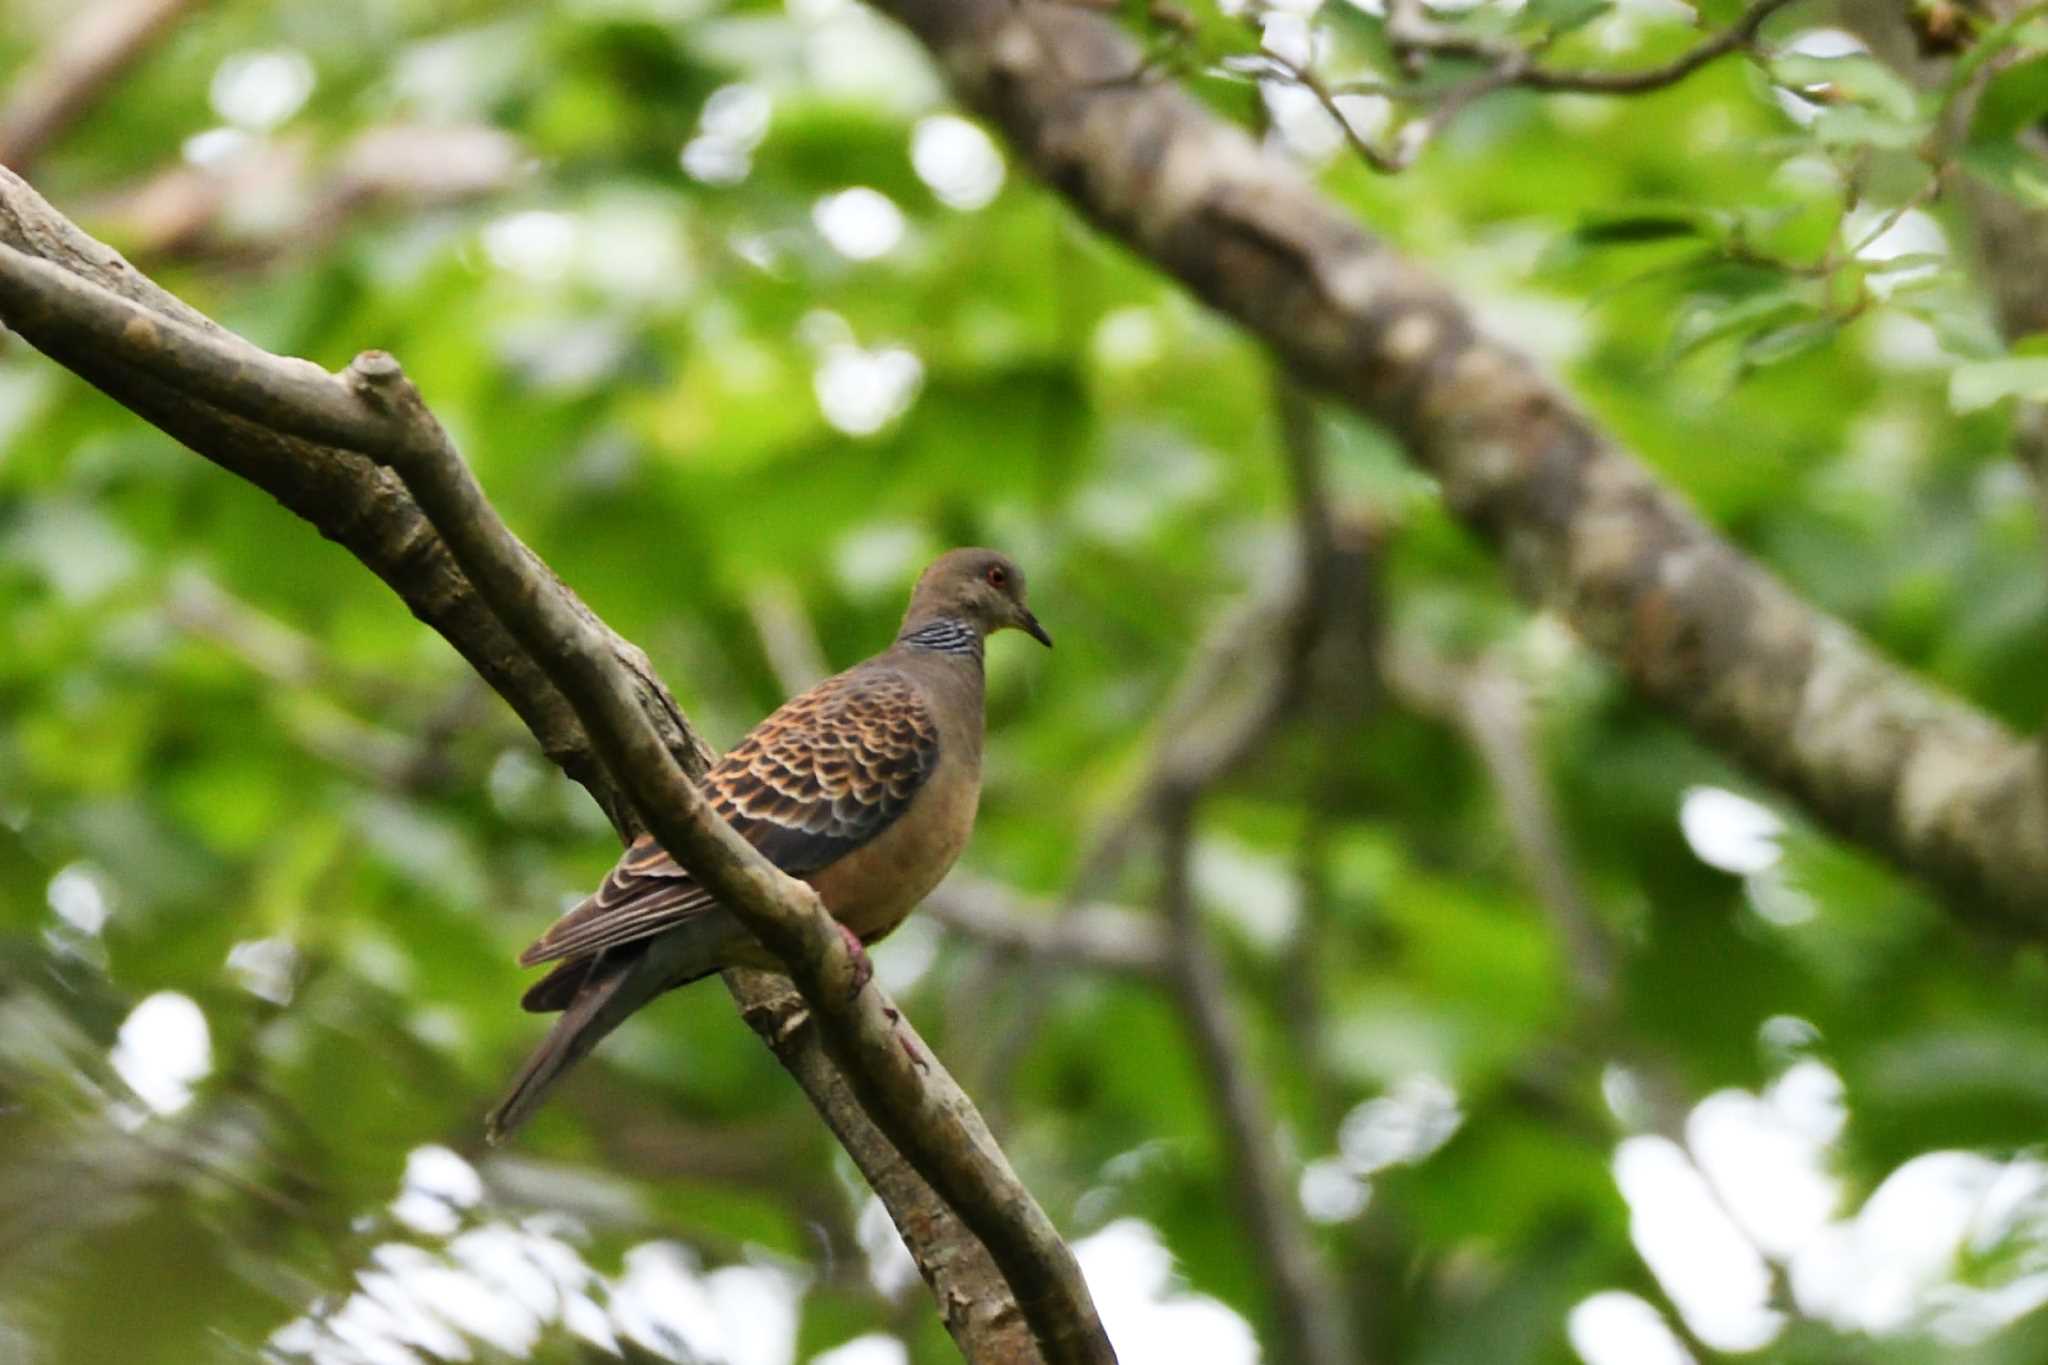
(865, 787)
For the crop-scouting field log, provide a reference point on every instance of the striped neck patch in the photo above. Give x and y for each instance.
(947, 635)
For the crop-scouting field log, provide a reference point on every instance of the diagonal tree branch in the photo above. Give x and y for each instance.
(1701, 630)
(83, 305)
(912, 1099)
(88, 57)
(344, 495)
(979, 1307)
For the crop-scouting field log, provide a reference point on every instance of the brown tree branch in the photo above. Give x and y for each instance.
(374, 409)
(158, 357)
(1489, 705)
(1312, 1328)
(1310, 1321)
(980, 1308)
(1698, 628)
(1101, 937)
(91, 54)
(912, 1099)
(183, 211)
(345, 496)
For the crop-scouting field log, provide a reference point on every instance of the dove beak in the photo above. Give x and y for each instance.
(1029, 625)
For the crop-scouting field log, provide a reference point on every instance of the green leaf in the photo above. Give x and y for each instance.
(2025, 31)
(1858, 126)
(1715, 320)
(1557, 18)
(1858, 78)
(1981, 383)
(2015, 98)
(1644, 227)
(1779, 344)
(2011, 168)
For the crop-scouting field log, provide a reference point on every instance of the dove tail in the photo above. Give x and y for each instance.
(596, 994)
(596, 1010)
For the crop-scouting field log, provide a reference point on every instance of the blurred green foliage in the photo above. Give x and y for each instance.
(691, 376)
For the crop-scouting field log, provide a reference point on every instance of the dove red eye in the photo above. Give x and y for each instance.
(997, 576)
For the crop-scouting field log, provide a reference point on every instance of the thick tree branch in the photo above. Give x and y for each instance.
(1698, 628)
(159, 357)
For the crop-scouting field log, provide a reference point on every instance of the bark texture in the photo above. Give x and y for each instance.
(1872, 752)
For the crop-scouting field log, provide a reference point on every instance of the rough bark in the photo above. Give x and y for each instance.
(1698, 628)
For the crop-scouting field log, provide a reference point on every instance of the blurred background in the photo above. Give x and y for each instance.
(1567, 1044)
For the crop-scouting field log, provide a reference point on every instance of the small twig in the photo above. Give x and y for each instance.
(1891, 219)
(1737, 36)
(199, 607)
(786, 636)
(1385, 162)
(1410, 30)
(1415, 36)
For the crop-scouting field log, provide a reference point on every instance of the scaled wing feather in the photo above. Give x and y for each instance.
(827, 772)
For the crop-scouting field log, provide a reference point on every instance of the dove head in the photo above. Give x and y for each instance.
(981, 589)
